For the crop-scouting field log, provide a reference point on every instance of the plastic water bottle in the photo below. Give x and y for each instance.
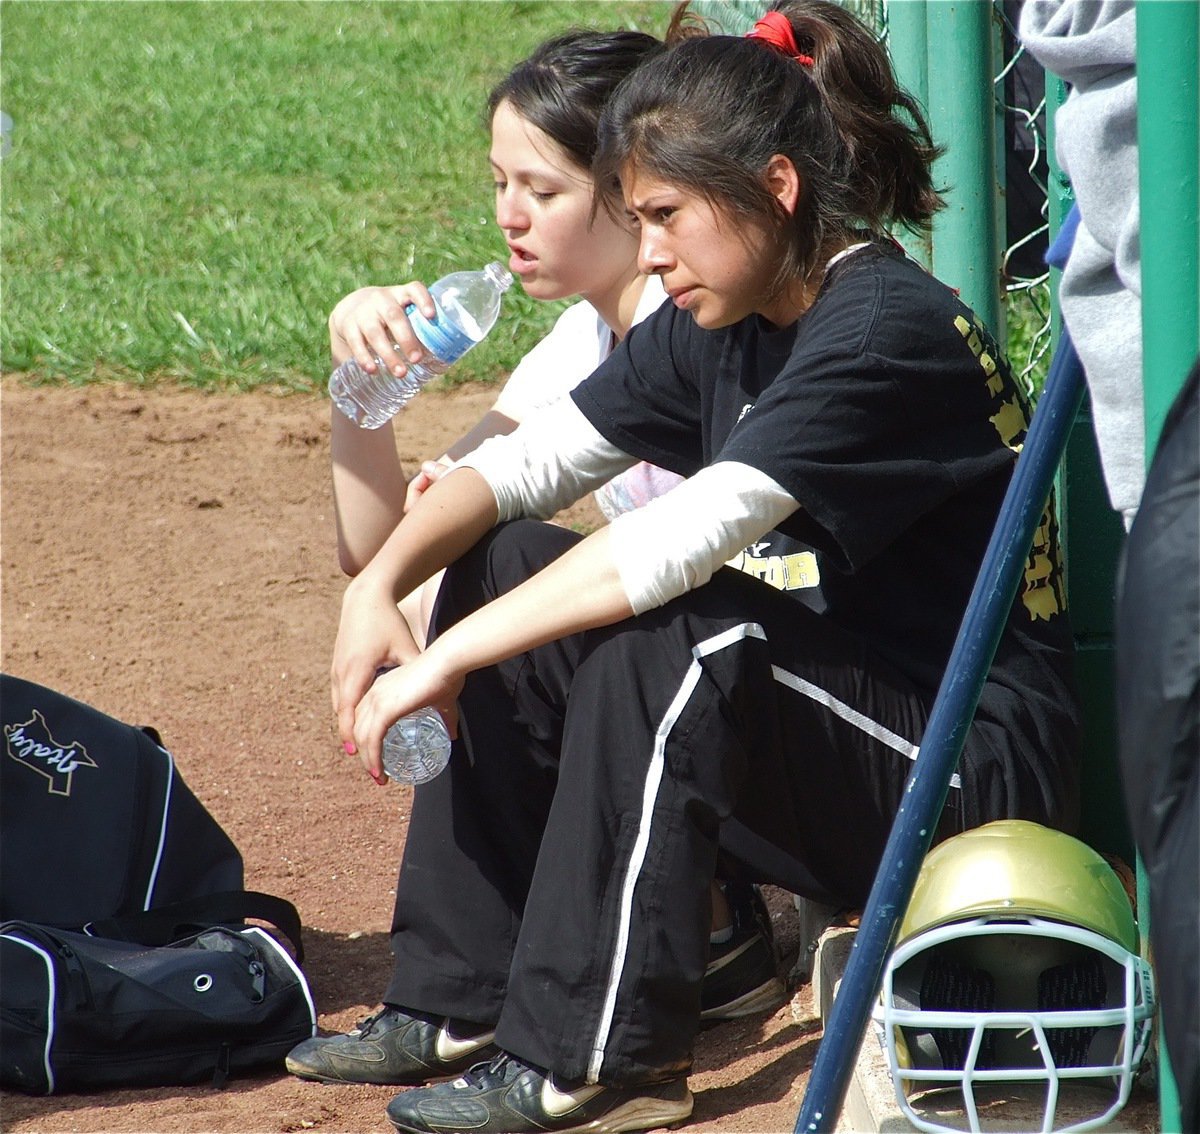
(467, 305)
(416, 748)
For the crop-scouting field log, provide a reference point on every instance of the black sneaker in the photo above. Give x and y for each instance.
(742, 977)
(392, 1048)
(507, 1096)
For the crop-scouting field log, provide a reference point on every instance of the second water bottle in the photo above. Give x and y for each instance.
(416, 748)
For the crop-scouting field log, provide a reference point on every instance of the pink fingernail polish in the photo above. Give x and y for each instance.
(349, 748)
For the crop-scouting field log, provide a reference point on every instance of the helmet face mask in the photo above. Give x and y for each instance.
(996, 1001)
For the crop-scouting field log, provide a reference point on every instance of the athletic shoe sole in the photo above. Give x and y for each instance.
(767, 997)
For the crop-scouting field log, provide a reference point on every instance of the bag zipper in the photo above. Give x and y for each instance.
(76, 974)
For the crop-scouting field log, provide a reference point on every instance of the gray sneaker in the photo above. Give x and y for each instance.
(742, 978)
(508, 1096)
(392, 1048)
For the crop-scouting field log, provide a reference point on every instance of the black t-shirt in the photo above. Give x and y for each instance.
(887, 412)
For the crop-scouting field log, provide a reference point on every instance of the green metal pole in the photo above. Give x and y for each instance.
(1000, 165)
(1168, 35)
(730, 17)
(966, 254)
(908, 46)
(907, 43)
(1168, 69)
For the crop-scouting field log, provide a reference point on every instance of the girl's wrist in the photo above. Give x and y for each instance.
(443, 655)
(371, 585)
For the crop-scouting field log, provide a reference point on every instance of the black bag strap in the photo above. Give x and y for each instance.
(164, 924)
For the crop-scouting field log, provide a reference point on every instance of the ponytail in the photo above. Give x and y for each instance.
(890, 147)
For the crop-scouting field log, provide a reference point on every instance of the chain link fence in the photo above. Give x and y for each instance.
(1020, 89)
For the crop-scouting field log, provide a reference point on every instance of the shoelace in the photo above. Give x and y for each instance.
(501, 1068)
(364, 1028)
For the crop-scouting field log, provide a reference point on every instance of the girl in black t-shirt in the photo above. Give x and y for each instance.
(629, 706)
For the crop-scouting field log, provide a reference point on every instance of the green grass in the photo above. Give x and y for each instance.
(1027, 315)
(191, 186)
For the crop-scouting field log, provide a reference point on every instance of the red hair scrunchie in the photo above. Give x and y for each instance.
(776, 29)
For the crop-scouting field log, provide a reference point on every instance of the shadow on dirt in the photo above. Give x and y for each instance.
(17, 1107)
(344, 970)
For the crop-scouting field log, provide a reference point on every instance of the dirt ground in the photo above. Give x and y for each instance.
(169, 558)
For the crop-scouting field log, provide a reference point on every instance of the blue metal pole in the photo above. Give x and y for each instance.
(953, 709)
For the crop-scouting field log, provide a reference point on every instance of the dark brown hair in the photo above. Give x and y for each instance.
(562, 87)
(709, 113)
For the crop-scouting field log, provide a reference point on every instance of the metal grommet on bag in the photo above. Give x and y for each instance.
(202, 982)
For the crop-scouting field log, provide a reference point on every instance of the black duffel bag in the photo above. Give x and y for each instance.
(80, 1013)
(95, 819)
(126, 957)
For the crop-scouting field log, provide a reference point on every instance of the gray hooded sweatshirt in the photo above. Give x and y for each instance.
(1089, 44)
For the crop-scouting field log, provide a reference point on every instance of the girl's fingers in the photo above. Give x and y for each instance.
(399, 328)
(373, 322)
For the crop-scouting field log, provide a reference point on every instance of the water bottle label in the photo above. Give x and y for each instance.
(440, 337)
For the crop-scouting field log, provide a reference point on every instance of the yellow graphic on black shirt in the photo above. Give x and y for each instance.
(1011, 416)
(1043, 591)
(792, 572)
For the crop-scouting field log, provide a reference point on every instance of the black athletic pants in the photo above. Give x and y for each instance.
(555, 880)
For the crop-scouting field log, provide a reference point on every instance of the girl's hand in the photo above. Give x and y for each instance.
(370, 323)
(397, 693)
(372, 635)
(431, 471)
